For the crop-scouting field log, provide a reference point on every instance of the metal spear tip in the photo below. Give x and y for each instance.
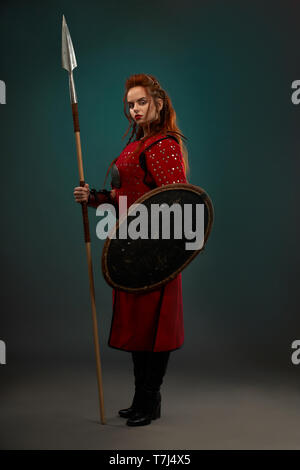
(68, 58)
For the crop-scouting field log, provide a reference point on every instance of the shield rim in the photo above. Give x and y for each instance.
(147, 195)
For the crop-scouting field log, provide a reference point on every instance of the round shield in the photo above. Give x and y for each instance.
(161, 233)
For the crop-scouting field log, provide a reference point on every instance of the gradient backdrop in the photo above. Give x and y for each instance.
(228, 68)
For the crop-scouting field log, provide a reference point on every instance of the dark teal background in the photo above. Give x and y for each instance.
(228, 68)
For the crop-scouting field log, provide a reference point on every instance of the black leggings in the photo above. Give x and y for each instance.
(149, 368)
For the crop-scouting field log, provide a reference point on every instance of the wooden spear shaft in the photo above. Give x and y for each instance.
(87, 240)
(69, 63)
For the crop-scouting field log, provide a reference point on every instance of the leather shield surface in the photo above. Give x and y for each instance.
(145, 264)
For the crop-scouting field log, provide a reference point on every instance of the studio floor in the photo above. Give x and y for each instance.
(57, 408)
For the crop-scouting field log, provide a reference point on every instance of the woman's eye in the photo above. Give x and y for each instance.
(143, 102)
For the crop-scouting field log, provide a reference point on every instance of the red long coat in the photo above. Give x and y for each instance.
(148, 321)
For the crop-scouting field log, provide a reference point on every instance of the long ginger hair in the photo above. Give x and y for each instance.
(164, 124)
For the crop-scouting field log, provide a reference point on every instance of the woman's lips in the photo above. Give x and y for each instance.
(138, 116)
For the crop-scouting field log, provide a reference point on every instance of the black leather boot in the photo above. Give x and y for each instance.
(136, 405)
(151, 409)
(140, 367)
(150, 404)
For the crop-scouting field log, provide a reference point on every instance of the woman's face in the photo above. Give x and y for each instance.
(141, 106)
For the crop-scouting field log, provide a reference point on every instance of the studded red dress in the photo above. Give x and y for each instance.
(148, 321)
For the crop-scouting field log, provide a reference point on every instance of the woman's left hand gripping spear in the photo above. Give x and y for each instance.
(69, 63)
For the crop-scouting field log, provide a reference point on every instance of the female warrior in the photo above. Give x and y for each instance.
(149, 325)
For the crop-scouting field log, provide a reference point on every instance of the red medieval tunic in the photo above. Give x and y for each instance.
(150, 321)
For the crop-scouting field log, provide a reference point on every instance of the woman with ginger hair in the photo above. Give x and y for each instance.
(149, 325)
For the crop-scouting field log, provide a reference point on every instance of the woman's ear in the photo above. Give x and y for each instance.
(160, 103)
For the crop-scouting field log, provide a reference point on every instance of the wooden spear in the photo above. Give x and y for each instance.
(69, 63)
